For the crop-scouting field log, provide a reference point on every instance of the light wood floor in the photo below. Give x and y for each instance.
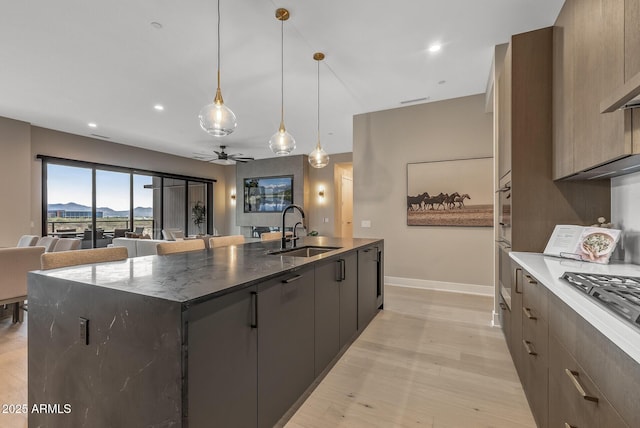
(430, 359)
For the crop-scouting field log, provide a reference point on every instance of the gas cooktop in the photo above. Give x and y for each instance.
(620, 294)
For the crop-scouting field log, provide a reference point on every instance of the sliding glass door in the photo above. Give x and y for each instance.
(98, 203)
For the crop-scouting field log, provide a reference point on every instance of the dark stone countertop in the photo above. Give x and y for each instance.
(200, 275)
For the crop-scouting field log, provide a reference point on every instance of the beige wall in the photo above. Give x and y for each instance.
(384, 142)
(324, 208)
(21, 142)
(15, 175)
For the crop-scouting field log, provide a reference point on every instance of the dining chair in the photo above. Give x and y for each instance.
(183, 246)
(27, 240)
(223, 241)
(15, 262)
(48, 242)
(68, 244)
(59, 259)
(272, 236)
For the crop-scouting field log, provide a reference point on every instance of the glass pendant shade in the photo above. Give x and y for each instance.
(318, 158)
(217, 119)
(282, 143)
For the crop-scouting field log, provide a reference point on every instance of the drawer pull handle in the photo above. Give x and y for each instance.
(566, 425)
(576, 382)
(517, 276)
(529, 349)
(503, 306)
(530, 279)
(290, 280)
(528, 314)
(254, 309)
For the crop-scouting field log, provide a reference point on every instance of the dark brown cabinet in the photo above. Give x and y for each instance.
(574, 399)
(535, 342)
(222, 361)
(525, 124)
(631, 39)
(572, 375)
(369, 284)
(590, 47)
(503, 95)
(516, 320)
(336, 304)
(285, 342)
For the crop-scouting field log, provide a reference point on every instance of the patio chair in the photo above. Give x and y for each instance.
(48, 242)
(27, 241)
(165, 248)
(224, 241)
(80, 257)
(172, 234)
(119, 233)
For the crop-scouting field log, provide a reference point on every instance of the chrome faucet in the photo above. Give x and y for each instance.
(283, 242)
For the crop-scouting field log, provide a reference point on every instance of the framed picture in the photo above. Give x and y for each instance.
(267, 194)
(450, 193)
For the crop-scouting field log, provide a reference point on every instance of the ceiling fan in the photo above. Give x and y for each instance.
(223, 158)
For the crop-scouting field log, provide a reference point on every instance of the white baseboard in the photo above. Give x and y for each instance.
(453, 287)
(495, 321)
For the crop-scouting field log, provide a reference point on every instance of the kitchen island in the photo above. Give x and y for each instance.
(231, 336)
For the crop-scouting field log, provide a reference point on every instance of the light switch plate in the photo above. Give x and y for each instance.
(365, 223)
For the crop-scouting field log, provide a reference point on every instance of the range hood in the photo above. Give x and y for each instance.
(621, 166)
(625, 96)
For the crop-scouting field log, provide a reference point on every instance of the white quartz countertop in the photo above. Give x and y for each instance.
(548, 271)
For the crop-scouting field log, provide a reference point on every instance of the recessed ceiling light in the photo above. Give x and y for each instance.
(158, 107)
(435, 47)
(156, 25)
(92, 125)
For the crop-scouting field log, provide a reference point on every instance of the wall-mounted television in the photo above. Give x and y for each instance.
(267, 194)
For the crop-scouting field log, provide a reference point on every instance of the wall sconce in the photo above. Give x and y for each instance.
(321, 193)
(233, 197)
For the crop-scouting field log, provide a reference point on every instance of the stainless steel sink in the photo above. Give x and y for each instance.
(308, 251)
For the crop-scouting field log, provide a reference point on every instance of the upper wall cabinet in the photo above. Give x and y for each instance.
(589, 64)
(503, 95)
(631, 39)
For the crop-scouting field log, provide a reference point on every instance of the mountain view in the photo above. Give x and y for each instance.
(107, 212)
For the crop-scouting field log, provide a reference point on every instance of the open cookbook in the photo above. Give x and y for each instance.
(589, 244)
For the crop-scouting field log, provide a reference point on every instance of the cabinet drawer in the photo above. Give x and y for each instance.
(534, 300)
(574, 399)
(616, 374)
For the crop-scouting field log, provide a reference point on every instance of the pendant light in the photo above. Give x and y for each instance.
(318, 158)
(216, 118)
(282, 143)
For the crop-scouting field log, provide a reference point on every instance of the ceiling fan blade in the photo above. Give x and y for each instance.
(240, 158)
